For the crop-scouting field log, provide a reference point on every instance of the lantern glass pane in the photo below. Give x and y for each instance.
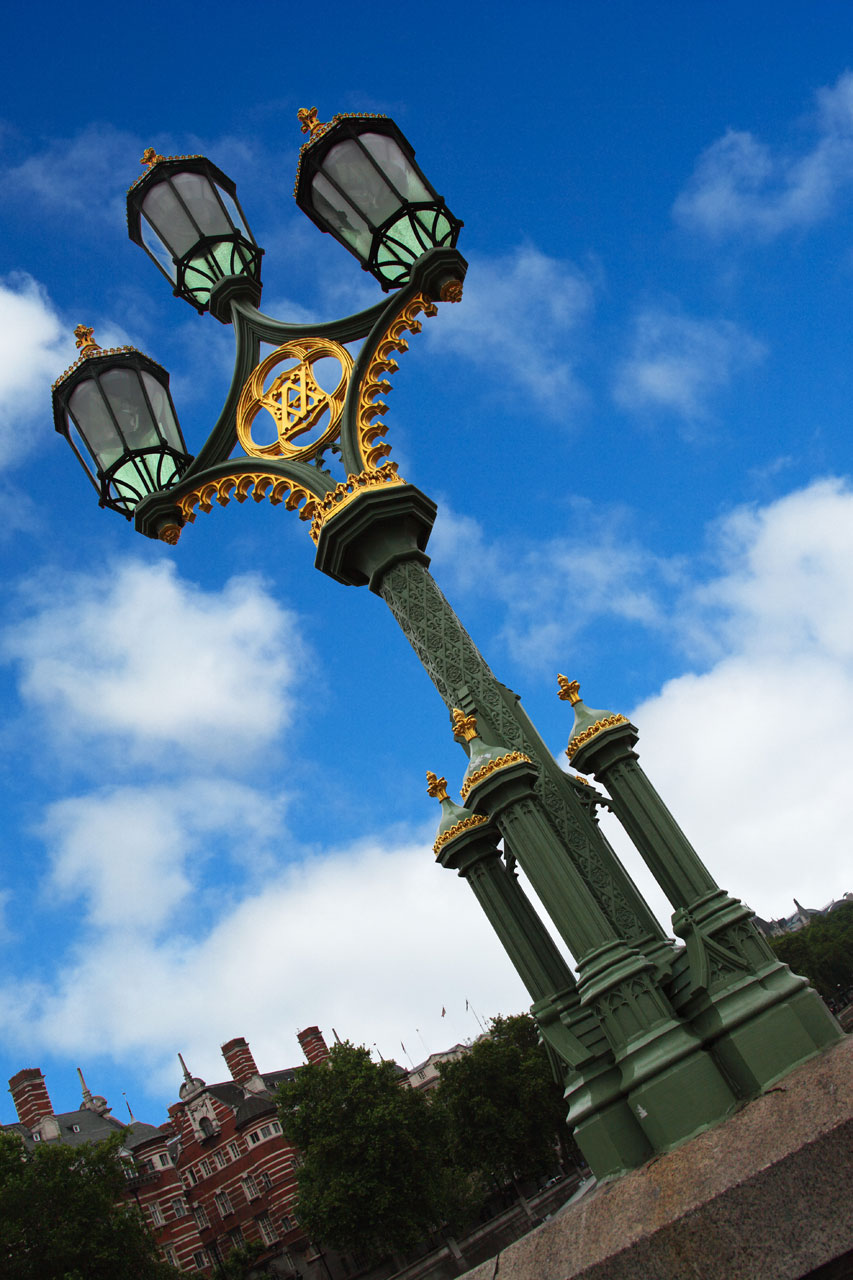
(166, 214)
(157, 248)
(224, 259)
(334, 209)
(127, 401)
(234, 213)
(95, 423)
(164, 414)
(407, 238)
(199, 195)
(399, 170)
(365, 187)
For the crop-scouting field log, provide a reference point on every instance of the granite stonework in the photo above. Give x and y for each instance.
(766, 1195)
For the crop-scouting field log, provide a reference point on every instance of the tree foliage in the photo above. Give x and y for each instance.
(374, 1178)
(506, 1113)
(823, 951)
(62, 1216)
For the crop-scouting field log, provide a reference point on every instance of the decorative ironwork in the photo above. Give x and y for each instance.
(609, 722)
(492, 766)
(90, 348)
(307, 117)
(436, 787)
(371, 410)
(295, 400)
(464, 726)
(342, 494)
(260, 484)
(150, 157)
(84, 341)
(570, 690)
(451, 291)
(466, 824)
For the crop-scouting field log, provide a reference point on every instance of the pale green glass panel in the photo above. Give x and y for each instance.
(365, 188)
(400, 172)
(331, 206)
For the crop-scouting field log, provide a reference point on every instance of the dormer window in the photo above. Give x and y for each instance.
(75, 1128)
(206, 1126)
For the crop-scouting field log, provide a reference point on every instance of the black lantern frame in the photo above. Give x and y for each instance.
(116, 411)
(193, 256)
(387, 246)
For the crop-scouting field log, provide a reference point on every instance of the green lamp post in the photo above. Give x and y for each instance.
(639, 1076)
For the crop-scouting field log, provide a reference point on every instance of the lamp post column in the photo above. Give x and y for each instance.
(759, 1019)
(604, 1126)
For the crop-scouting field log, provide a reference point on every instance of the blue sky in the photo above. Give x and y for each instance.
(636, 425)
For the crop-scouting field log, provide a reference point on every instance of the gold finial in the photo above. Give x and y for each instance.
(436, 787)
(570, 690)
(86, 344)
(464, 726)
(150, 157)
(308, 119)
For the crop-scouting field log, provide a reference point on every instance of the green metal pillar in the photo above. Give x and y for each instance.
(604, 1127)
(759, 1019)
(674, 1087)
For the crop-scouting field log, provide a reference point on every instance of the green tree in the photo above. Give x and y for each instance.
(823, 951)
(62, 1215)
(506, 1113)
(374, 1178)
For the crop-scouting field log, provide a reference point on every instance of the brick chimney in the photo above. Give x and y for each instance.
(239, 1060)
(313, 1045)
(241, 1064)
(29, 1093)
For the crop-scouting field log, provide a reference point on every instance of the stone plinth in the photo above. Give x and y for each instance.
(766, 1195)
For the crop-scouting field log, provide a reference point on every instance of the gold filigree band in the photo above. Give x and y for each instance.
(370, 410)
(343, 494)
(493, 766)
(609, 722)
(260, 484)
(466, 824)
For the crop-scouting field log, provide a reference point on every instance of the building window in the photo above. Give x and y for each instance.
(37, 1137)
(206, 1168)
(220, 1159)
(156, 1214)
(170, 1256)
(287, 1222)
(267, 1229)
(165, 1160)
(234, 1148)
(75, 1128)
(200, 1259)
(265, 1180)
(190, 1176)
(179, 1208)
(223, 1202)
(201, 1218)
(250, 1187)
(236, 1237)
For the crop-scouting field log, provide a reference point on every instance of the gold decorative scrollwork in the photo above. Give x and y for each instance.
(582, 739)
(465, 824)
(493, 766)
(260, 484)
(342, 494)
(371, 410)
(295, 399)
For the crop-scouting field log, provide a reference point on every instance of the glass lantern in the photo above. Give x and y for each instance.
(115, 410)
(359, 182)
(185, 214)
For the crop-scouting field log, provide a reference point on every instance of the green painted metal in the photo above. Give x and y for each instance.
(599, 1114)
(759, 1019)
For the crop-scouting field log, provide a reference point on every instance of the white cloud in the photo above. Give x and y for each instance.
(677, 363)
(82, 174)
(552, 589)
(33, 352)
(518, 314)
(372, 939)
(132, 855)
(742, 185)
(752, 754)
(137, 654)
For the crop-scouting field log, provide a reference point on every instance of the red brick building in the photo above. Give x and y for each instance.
(218, 1174)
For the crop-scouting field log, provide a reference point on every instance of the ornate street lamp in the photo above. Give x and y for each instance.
(185, 214)
(357, 180)
(653, 1042)
(115, 410)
